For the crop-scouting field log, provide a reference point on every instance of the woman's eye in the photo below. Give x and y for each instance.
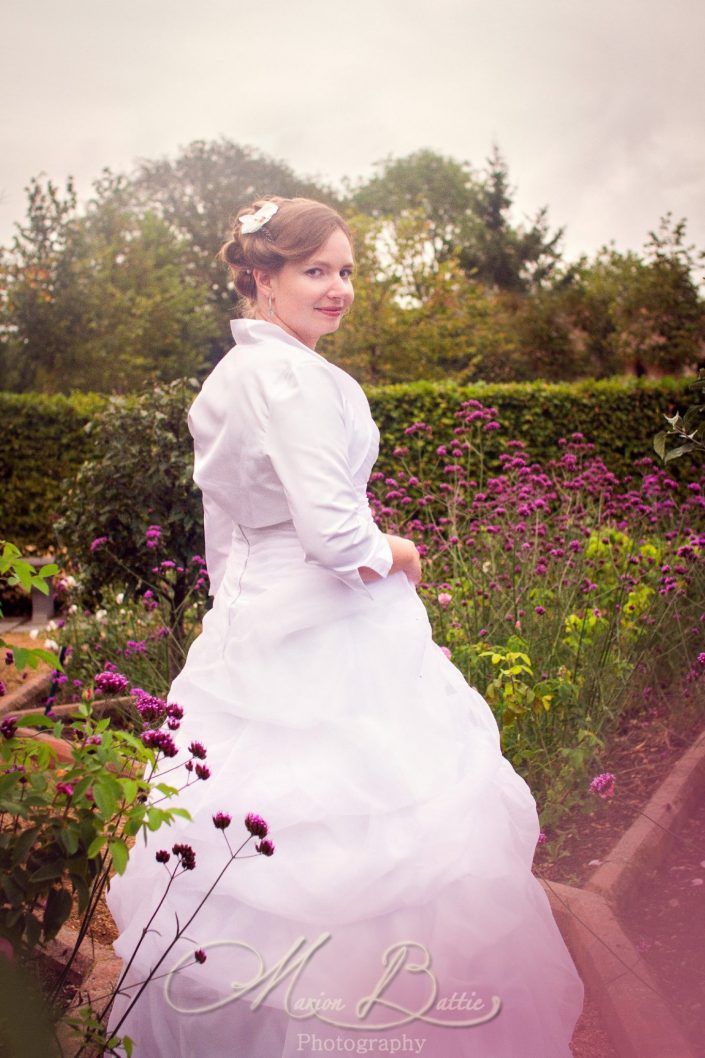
(312, 271)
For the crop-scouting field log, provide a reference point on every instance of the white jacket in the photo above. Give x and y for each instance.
(283, 435)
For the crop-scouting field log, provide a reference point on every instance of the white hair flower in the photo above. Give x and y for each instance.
(254, 221)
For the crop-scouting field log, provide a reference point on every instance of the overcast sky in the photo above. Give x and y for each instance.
(597, 106)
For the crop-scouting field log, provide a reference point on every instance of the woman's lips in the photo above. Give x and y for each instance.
(331, 312)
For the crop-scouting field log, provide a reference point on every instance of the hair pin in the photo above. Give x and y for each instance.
(252, 222)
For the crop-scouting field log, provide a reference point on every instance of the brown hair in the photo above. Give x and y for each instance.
(298, 228)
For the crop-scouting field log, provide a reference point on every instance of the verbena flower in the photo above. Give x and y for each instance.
(8, 727)
(160, 740)
(186, 855)
(221, 820)
(197, 749)
(266, 847)
(98, 542)
(256, 825)
(111, 682)
(603, 784)
(199, 955)
(64, 788)
(162, 856)
(203, 771)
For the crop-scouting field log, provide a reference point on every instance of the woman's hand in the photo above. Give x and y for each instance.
(406, 557)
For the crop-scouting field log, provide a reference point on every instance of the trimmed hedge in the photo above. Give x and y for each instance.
(45, 441)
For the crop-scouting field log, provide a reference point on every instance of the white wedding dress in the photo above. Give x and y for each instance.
(403, 838)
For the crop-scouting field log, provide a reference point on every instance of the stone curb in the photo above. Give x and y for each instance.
(25, 696)
(636, 1013)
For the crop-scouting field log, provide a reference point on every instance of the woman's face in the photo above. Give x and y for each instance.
(310, 296)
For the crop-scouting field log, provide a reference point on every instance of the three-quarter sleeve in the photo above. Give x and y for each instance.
(218, 532)
(306, 442)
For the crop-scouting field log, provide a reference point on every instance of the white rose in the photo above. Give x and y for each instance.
(73, 608)
(51, 644)
(34, 633)
(52, 626)
(120, 598)
(100, 615)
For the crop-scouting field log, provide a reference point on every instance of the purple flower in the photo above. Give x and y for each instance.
(221, 820)
(701, 659)
(64, 788)
(153, 536)
(8, 727)
(3, 689)
(94, 740)
(203, 771)
(603, 785)
(200, 956)
(9, 657)
(197, 749)
(98, 542)
(111, 682)
(539, 610)
(162, 856)
(161, 741)
(266, 847)
(186, 855)
(256, 825)
(135, 646)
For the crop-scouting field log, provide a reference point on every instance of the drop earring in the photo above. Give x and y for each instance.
(271, 311)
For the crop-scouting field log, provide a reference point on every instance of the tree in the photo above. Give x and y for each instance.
(106, 301)
(438, 187)
(467, 216)
(640, 313)
(498, 254)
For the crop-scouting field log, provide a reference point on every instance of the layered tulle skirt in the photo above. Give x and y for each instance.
(398, 913)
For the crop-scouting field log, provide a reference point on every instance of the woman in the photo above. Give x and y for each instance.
(399, 912)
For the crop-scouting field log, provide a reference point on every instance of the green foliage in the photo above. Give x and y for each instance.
(104, 300)
(46, 444)
(139, 474)
(62, 827)
(131, 293)
(688, 430)
(16, 570)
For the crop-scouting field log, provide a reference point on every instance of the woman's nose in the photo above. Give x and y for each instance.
(339, 287)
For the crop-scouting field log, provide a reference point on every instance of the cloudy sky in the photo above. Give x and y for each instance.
(597, 106)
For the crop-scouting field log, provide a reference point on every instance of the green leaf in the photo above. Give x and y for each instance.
(57, 910)
(118, 850)
(48, 871)
(69, 839)
(95, 846)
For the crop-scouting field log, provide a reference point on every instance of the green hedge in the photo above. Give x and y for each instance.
(620, 416)
(44, 441)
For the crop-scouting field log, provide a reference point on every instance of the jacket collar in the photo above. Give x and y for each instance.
(249, 332)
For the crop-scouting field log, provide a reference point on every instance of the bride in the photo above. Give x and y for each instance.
(394, 909)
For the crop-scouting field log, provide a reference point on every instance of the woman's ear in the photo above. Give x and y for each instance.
(263, 281)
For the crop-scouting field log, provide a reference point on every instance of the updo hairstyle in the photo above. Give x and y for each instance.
(299, 228)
